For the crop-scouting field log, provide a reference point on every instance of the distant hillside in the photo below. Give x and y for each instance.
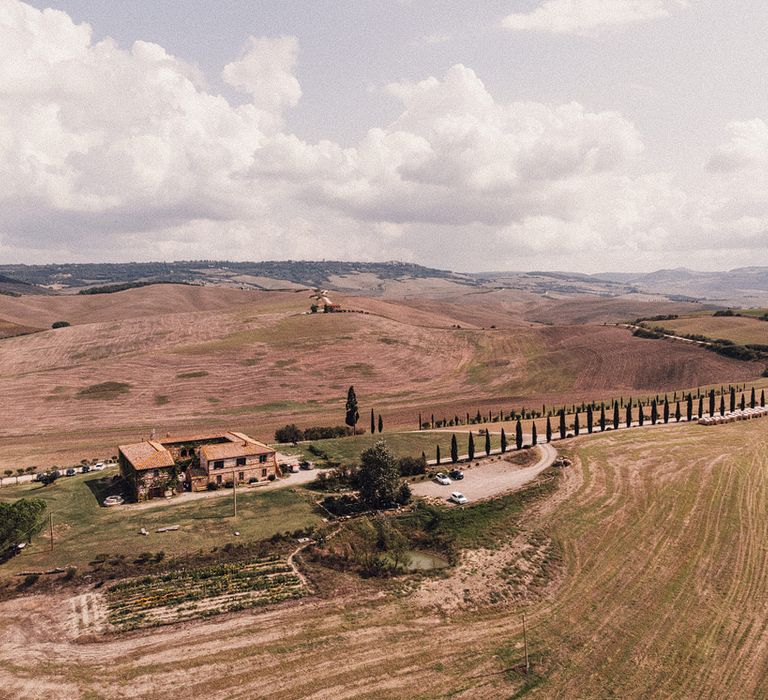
(288, 274)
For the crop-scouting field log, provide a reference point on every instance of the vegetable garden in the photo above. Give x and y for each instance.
(162, 599)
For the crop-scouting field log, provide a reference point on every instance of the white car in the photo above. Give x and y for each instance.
(114, 501)
(98, 467)
(442, 479)
(458, 498)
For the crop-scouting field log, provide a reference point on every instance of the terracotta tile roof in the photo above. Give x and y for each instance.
(227, 450)
(147, 455)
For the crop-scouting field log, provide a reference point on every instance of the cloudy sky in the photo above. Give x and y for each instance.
(586, 135)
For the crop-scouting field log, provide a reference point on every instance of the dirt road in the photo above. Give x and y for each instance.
(491, 479)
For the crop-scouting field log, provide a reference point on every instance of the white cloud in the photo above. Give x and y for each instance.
(108, 153)
(589, 16)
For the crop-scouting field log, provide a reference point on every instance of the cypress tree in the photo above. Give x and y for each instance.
(689, 408)
(373, 423)
(471, 446)
(576, 424)
(503, 441)
(641, 416)
(549, 429)
(701, 406)
(733, 399)
(615, 415)
(562, 424)
(722, 405)
(743, 403)
(712, 402)
(654, 412)
(666, 410)
(762, 397)
(590, 419)
(454, 449)
(352, 414)
(752, 400)
(519, 435)
(381, 424)
(487, 442)
(534, 434)
(432, 423)
(678, 414)
(629, 413)
(602, 418)
(437, 454)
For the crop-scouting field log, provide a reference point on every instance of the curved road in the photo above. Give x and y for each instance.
(491, 479)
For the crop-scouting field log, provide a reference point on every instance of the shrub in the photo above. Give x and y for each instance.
(30, 579)
(272, 477)
(412, 466)
(289, 433)
(212, 486)
(60, 324)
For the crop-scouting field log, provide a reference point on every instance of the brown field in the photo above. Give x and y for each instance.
(9, 329)
(180, 358)
(661, 593)
(740, 329)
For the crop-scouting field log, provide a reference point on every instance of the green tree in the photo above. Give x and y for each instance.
(733, 400)
(712, 402)
(640, 414)
(602, 418)
(629, 413)
(654, 412)
(666, 410)
(373, 423)
(590, 419)
(20, 520)
(562, 424)
(352, 413)
(576, 424)
(454, 449)
(678, 412)
(503, 441)
(752, 399)
(519, 435)
(762, 397)
(437, 454)
(743, 403)
(379, 476)
(381, 424)
(722, 405)
(471, 446)
(534, 434)
(549, 430)
(689, 408)
(615, 415)
(701, 406)
(487, 442)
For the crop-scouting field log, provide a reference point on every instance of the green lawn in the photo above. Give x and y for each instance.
(84, 529)
(348, 449)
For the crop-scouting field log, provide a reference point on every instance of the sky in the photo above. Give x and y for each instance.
(585, 135)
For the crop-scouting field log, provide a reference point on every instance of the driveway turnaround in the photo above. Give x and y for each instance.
(490, 479)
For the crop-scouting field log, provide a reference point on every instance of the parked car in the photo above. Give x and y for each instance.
(98, 467)
(457, 475)
(70, 472)
(114, 501)
(39, 477)
(458, 498)
(307, 465)
(441, 478)
(85, 469)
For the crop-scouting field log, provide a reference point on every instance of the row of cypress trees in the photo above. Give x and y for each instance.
(630, 417)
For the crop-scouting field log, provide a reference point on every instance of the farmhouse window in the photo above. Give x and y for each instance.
(262, 458)
(241, 476)
(263, 472)
(219, 464)
(156, 472)
(241, 462)
(218, 479)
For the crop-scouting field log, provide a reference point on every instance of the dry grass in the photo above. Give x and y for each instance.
(740, 330)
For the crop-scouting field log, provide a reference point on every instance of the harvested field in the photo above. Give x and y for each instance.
(9, 329)
(661, 593)
(196, 358)
(741, 330)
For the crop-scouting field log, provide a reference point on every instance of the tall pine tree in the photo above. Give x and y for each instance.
(666, 410)
(437, 454)
(562, 424)
(590, 419)
(641, 415)
(615, 415)
(549, 429)
(629, 413)
(373, 423)
(487, 442)
(602, 418)
(454, 449)
(381, 424)
(503, 441)
(471, 446)
(576, 424)
(654, 412)
(534, 434)
(519, 435)
(689, 408)
(712, 402)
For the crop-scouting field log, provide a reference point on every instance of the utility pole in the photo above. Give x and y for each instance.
(50, 527)
(525, 643)
(234, 494)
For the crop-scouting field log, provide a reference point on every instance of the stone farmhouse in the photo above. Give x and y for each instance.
(161, 468)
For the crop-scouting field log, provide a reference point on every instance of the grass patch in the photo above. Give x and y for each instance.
(83, 528)
(105, 391)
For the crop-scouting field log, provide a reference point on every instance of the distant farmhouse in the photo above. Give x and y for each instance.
(158, 468)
